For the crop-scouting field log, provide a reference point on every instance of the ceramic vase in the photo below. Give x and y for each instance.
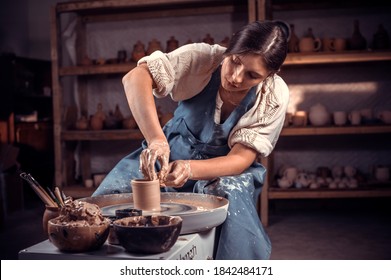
(357, 41)
(293, 44)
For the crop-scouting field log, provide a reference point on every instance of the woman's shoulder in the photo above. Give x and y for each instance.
(198, 57)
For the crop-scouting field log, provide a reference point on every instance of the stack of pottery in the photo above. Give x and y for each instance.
(318, 115)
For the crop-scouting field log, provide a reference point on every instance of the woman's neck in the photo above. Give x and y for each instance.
(233, 98)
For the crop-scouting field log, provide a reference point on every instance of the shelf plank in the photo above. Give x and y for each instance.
(334, 130)
(289, 5)
(336, 57)
(277, 193)
(102, 135)
(97, 69)
(292, 59)
(91, 6)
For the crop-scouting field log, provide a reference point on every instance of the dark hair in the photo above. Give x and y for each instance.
(269, 39)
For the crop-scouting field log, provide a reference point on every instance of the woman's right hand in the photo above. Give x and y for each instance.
(156, 151)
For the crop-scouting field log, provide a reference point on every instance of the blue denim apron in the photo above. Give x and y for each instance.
(193, 134)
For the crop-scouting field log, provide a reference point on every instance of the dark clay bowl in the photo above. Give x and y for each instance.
(70, 238)
(148, 234)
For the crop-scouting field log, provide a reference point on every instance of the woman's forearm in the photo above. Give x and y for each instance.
(237, 161)
(138, 85)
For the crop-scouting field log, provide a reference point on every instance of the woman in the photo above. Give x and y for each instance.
(231, 110)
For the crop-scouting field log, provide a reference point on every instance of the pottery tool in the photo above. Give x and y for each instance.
(43, 195)
(50, 192)
(58, 195)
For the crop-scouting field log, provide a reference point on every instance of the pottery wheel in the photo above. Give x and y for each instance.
(168, 209)
(198, 211)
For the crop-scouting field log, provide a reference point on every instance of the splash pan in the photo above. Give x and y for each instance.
(198, 211)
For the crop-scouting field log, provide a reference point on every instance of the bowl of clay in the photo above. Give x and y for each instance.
(77, 237)
(151, 234)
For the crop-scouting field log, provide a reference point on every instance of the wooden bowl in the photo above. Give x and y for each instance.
(148, 234)
(77, 238)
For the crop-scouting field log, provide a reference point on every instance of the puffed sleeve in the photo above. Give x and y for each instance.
(261, 126)
(184, 72)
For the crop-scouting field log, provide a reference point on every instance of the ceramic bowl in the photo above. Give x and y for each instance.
(148, 234)
(77, 238)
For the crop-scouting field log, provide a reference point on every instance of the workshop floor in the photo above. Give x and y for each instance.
(299, 230)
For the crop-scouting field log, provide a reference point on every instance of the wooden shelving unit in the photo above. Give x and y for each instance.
(272, 192)
(336, 57)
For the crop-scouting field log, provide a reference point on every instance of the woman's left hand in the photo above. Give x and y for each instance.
(178, 173)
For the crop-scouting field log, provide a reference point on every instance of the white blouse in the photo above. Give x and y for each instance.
(185, 72)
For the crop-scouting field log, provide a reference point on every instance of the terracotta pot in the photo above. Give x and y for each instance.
(82, 123)
(172, 44)
(138, 51)
(154, 45)
(50, 213)
(96, 123)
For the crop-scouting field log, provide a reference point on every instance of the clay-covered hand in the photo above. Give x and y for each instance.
(178, 174)
(156, 151)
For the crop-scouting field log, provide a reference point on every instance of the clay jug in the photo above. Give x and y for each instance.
(172, 44)
(96, 123)
(154, 45)
(381, 40)
(97, 120)
(293, 44)
(357, 41)
(309, 43)
(99, 112)
(318, 115)
(138, 51)
(208, 39)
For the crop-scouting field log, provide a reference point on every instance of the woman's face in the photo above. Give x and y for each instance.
(242, 72)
